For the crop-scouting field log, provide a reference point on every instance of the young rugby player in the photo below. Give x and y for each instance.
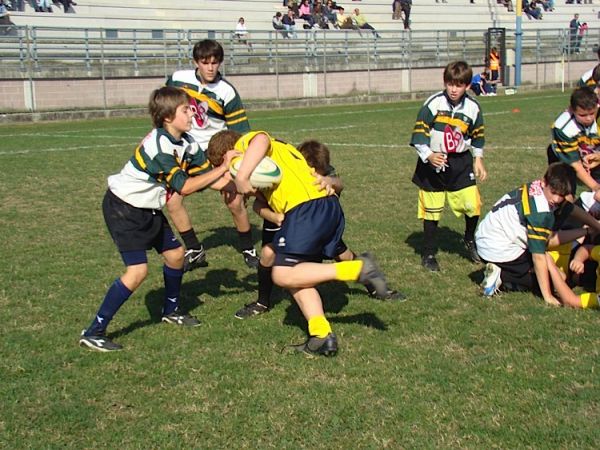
(217, 106)
(575, 136)
(318, 158)
(132, 206)
(448, 125)
(514, 236)
(311, 230)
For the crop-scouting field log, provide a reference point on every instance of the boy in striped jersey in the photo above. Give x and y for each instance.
(217, 106)
(448, 125)
(575, 137)
(167, 160)
(515, 235)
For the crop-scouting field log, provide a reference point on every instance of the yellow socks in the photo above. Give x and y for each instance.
(589, 300)
(318, 326)
(348, 270)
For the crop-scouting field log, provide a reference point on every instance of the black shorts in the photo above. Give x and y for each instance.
(519, 274)
(311, 232)
(135, 229)
(458, 175)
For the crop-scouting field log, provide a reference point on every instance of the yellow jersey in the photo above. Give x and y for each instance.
(297, 178)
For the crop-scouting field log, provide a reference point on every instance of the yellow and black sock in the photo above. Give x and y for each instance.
(348, 270)
(319, 326)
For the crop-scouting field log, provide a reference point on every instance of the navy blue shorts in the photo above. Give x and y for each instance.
(137, 229)
(312, 231)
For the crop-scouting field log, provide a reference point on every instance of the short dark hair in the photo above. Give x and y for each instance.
(458, 72)
(164, 103)
(220, 144)
(208, 48)
(316, 155)
(584, 97)
(560, 178)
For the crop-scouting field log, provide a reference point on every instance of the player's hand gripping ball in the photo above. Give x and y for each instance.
(266, 175)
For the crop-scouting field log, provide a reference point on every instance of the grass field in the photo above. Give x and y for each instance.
(446, 369)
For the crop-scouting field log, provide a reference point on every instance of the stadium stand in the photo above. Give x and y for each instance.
(223, 14)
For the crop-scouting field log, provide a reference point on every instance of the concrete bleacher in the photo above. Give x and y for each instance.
(427, 15)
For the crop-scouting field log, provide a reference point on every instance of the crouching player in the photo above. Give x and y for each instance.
(132, 210)
(311, 230)
(514, 236)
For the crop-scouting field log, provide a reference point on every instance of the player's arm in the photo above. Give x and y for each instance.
(540, 266)
(257, 149)
(477, 133)
(198, 182)
(584, 217)
(584, 176)
(582, 254)
(261, 207)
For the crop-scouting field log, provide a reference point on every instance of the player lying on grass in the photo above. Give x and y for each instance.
(514, 236)
(217, 106)
(311, 230)
(133, 204)
(318, 158)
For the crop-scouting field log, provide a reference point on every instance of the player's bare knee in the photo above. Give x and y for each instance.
(135, 275)
(281, 276)
(267, 256)
(174, 257)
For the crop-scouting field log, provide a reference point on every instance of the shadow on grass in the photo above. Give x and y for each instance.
(477, 275)
(335, 299)
(216, 283)
(220, 236)
(448, 241)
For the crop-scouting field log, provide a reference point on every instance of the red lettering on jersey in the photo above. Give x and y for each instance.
(536, 188)
(200, 113)
(453, 139)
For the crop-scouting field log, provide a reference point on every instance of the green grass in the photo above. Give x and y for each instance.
(446, 369)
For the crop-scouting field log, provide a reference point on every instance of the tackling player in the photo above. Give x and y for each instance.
(311, 230)
(132, 208)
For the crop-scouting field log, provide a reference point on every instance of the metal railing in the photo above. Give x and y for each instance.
(77, 52)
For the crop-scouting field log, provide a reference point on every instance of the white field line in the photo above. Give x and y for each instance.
(132, 143)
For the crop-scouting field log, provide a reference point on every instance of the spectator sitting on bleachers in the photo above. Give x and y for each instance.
(361, 22)
(532, 10)
(508, 4)
(6, 26)
(16, 5)
(289, 23)
(66, 4)
(321, 19)
(293, 5)
(278, 24)
(329, 11)
(241, 32)
(43, 6)
(343, 21)
(305, 14)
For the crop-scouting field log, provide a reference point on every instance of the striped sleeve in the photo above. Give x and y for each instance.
(422, 130)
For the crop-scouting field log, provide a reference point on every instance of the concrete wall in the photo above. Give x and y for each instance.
(58, 94)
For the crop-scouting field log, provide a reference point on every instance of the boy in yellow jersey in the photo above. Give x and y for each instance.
(311, 230)
(581, 270)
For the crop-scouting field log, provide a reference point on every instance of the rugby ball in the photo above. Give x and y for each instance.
(266, 175)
